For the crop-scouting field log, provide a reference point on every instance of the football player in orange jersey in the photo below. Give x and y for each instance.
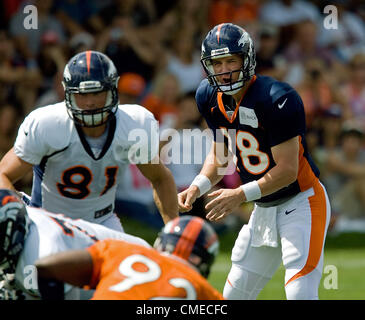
(185, 250)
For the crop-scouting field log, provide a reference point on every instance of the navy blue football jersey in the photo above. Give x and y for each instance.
(269, 113)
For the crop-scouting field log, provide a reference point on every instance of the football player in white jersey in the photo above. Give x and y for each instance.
(79, 148)
(28, 233)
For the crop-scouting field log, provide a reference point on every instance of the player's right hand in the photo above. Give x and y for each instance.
(187, 197)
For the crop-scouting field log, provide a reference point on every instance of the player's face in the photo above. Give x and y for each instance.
(91, 101)
(226, 65)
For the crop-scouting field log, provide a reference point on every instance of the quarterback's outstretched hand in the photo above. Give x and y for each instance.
(187, 197)
(225, 201)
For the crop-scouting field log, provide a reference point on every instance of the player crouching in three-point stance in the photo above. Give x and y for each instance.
(80, 148)
(28, 233)
(185, 250)
(292, 211)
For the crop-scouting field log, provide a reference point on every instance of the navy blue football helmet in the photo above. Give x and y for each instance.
(192, 239)
(224, 40)
(90, 72)
(14, 227)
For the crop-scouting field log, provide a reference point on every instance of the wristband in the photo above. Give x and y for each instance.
(203, 183)
(251, 190)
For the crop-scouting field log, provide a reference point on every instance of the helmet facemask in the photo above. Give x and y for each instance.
(95, 117)
(231, 87)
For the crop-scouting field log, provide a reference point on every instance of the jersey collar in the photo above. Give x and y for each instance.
(108, 142)
(221, 105)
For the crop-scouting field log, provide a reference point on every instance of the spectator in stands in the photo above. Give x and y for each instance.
(183, 61)
(78, 15)
(349, 36)
(80, 42)
(319, 93)
(17, 83)
(268, 59)
(324, 138)
(131, 87)
(329, 124)
(129, 48)
(345, 180)
(191, 15)
(304, 47)
(238, 12)
(354, 89)
(54, 94)
(141, 12)
(162, 98)
(28, 41)
(288, 12)
(51, 59)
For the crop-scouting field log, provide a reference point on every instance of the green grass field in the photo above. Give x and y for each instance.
(350, 264)
(345, 253)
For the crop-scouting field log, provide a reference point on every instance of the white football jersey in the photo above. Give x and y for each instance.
(67, 175)
(50, 233)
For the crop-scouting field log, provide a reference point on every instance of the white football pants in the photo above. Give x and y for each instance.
(301, 236)
(113, 222)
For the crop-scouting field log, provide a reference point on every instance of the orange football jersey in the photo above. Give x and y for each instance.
(125, 271)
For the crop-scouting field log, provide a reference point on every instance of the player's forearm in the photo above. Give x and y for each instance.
(286, 169)
(212, 169)
(277, 178)
(5, 183)
(73, 267)
(165, 196)
(12, 169)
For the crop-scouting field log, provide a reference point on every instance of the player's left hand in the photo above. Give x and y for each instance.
(225, 201)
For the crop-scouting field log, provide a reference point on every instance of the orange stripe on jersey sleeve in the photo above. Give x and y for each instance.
(306, 177)
(318, 227)
(183, 248)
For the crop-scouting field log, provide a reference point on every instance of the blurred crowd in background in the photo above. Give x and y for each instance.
(155, 45)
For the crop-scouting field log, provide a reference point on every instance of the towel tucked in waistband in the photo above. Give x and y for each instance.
(264, 227)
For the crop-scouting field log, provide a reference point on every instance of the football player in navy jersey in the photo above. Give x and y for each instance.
(261, 121)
